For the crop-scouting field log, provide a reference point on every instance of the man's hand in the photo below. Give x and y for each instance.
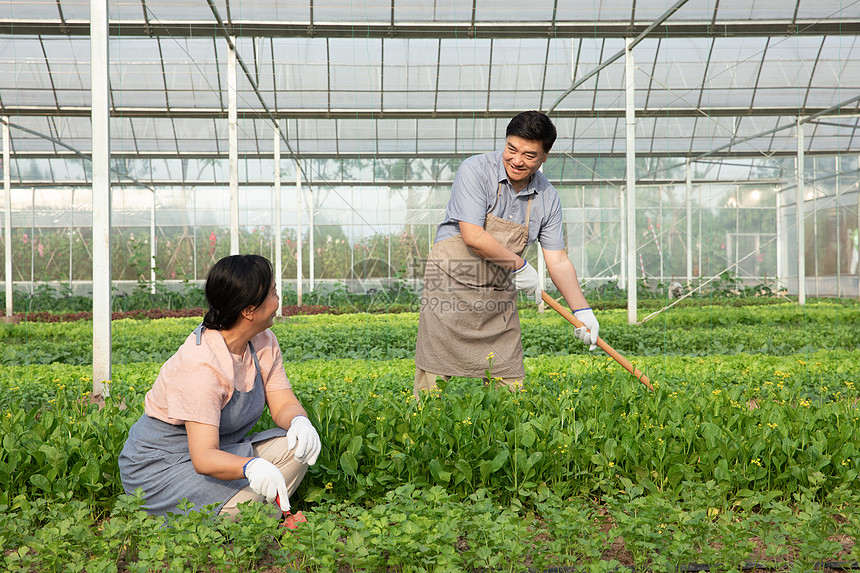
(590, 332)
(527, 281)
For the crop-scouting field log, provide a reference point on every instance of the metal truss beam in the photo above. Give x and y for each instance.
(365, 114)
(355, 155)
(118, 184)
(307, 29)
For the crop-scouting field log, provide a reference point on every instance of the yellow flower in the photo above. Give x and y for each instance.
(756, 461)
(329, 486)
(772, 426)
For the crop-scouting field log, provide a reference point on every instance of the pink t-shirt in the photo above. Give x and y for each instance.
(198, 381)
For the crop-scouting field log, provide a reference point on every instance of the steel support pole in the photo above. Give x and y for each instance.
(100, 117)
(299, 231)
(622, 247)
(311, 233)
(838, 234)
(7, 213)
(781, 243)
(630, 121)
(689, 180)
(72, 238)
(279, 249)
(800, 219)
(233, 144)
(153, 251)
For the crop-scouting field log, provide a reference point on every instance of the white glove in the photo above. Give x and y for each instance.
(527, 281)
(586, 317)
(267, 480)
(305, 439)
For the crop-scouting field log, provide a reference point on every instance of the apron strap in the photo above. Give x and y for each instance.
(496, 202)
(199, 332)
(529, 211)
(254, 356)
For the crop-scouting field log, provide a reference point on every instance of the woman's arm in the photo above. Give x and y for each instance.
(207, 456)
(284, 406)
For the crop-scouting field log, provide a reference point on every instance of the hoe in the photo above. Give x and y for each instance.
(600, 342)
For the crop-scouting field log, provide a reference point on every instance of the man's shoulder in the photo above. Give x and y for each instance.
(543, 184)
(482, 160)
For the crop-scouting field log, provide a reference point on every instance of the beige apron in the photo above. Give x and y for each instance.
(469, 307)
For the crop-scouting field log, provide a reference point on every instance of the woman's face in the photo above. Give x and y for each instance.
(269, 308)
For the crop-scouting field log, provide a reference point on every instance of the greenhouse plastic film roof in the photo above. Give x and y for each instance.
(414, 78)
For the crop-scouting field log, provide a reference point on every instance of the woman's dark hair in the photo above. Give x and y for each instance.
(233, 284)
(534, 126)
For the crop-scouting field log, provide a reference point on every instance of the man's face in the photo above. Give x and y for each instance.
(522, 157)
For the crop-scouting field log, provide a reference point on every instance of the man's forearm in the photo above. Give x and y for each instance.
(564, 277)
(487, 247)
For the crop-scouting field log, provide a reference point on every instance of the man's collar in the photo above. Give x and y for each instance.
(528, 189)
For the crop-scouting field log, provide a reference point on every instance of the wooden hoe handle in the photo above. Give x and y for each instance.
(600, 342)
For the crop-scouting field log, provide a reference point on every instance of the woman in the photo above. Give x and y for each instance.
(193, 439)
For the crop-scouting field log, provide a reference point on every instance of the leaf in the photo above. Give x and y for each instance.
(499, 461)
(465, 471)
(349, 464)
(578, 426)
(533, 459)
(528, 438)
(354, 446)
(438, 472)
(40, 482)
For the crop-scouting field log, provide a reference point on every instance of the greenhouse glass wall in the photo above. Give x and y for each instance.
(737, 109)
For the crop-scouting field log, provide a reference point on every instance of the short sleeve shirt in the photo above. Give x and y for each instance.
(473, 196)
(198, 381)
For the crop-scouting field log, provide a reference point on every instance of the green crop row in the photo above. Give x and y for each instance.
(413, 529)
(581, 426)
(774, 330)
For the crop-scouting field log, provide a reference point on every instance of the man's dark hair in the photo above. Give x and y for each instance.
(233, 284)
(535, 126)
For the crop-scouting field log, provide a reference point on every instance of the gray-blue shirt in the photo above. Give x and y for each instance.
(473, 195)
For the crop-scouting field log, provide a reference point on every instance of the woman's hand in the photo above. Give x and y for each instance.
(304, 438)
(266, 479)
(288, 413)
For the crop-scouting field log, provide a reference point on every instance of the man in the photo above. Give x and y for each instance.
(500, 203)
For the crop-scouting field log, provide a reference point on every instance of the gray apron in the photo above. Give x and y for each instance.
(156, 456)
(469, 307)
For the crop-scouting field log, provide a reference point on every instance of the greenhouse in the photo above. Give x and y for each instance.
(707, 166)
